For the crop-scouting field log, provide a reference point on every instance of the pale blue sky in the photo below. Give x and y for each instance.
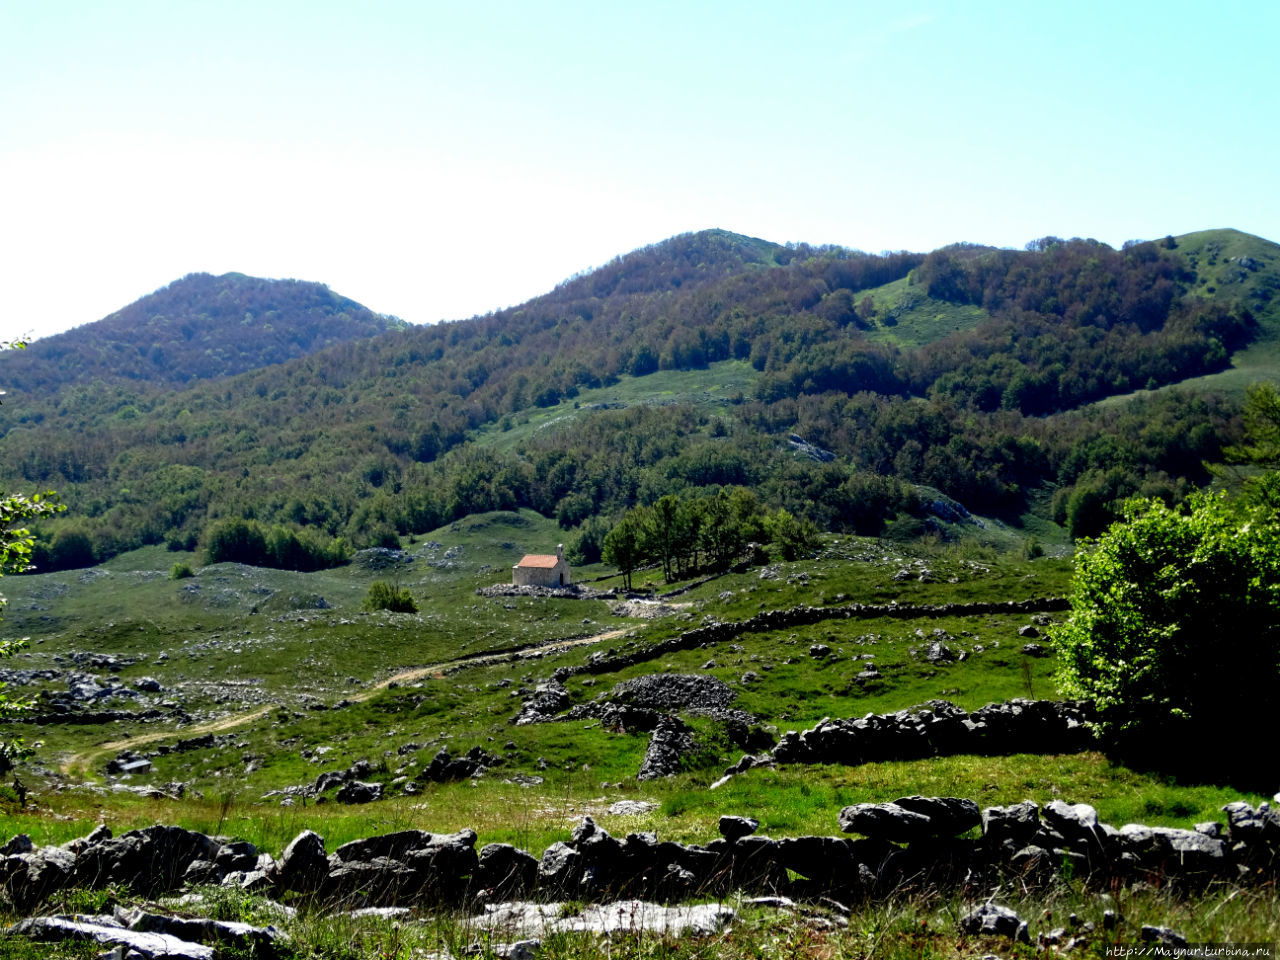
(439, 160)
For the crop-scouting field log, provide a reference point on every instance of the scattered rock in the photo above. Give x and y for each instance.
(1164, 936)
(735, 828)
(357, 791)
(994, 920)
(631, 808)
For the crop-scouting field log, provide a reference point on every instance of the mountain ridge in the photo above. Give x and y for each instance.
(198, 327)
(967, 370)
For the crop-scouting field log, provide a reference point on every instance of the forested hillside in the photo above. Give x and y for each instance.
(201, 327)
(970, 370)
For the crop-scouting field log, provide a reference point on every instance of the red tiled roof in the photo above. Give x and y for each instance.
(542, 561)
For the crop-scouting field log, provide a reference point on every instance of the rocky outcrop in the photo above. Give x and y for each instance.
(147, 935)
(548, 699)
(446, 768)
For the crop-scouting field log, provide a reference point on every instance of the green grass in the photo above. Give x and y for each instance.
(909, 317)
(915, 926)
(1209, 254)
(305, 656)
(715, 389)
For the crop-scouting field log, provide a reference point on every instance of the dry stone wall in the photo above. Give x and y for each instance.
(912, 843)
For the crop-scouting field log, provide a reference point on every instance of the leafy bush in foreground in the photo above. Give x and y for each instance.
(1174, 634)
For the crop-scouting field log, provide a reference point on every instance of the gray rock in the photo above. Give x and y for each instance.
(631, 808)
(1248, 825)
(505, 871)
(1017, 822)
(994, 920)
(1033, 862)
(252, 881)
(548, 699)
(304, 864)
(560, 868)
(950, 816)
(19, 843)
(939, 652)
(357, 791)
(240, 936)
(203, 873)
(238, 855)
(886, 821)
(519, 950)
(1164, 936)
(734, 828)
(97, 835)
(1077, 823)
(1160, 847)
(638, 916)
(145, 946)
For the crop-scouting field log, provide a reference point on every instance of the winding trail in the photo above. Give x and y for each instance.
(85, 759)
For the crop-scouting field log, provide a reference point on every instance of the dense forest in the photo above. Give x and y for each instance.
(386, 435)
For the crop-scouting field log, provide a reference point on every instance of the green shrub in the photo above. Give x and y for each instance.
(181, 571)
(1174, 634)
(384, 596)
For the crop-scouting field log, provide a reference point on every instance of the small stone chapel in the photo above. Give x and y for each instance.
(542, 570)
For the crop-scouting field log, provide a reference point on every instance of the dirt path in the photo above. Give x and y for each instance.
(85, 758)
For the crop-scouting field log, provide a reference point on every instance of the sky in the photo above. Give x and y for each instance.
(440, 160)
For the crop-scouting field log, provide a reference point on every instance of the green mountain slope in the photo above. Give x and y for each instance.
(1242, 269)
(683, 368)
(201, 327)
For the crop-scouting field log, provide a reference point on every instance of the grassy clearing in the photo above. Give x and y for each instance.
(909, 317)
(1214, 257)
(716, 388)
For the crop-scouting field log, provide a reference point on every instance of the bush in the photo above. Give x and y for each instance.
(1174, 635)
(181, 571)
(384, 596)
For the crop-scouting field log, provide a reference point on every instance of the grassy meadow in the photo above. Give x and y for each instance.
(294, 678)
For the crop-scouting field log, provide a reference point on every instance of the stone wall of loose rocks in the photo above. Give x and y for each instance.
(913, 843)
(714, 633)
(942, 729)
